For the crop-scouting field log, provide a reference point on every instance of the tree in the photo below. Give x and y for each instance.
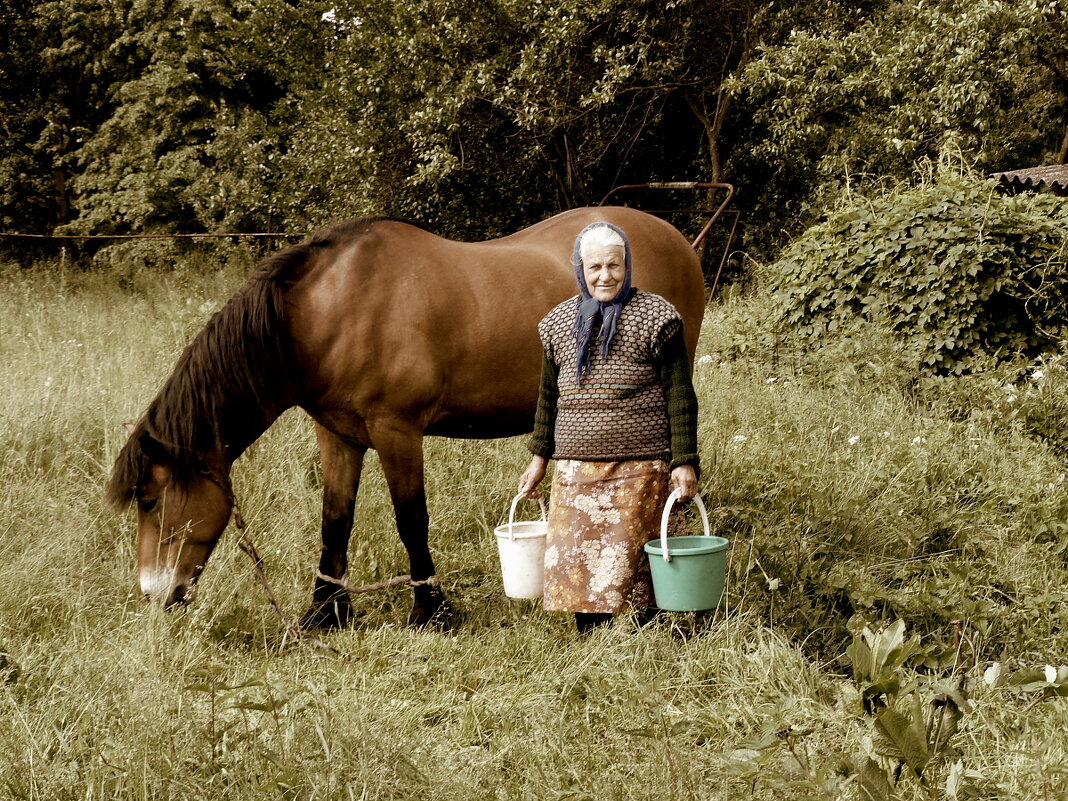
(872, 95)
(56, 73)
(516, 108)
(193, 139)
(480, 116)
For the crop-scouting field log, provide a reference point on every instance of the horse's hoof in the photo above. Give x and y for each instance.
(331, 608)
(431, 610)
(326, 616)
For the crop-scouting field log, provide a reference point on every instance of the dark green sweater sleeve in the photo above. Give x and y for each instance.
(677, 382)
(542, 441)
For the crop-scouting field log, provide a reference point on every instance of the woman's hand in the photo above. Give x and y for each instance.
(684, 477)
(532, 476)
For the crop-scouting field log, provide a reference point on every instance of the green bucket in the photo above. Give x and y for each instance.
(688, 572)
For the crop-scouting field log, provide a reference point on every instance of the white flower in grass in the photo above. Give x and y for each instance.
(853, 440)
(1051, 674)
(1037, 375)
(705, 360)
(773, 379)
(739, 438)
(836, 429)
(994, 674)
(918, 440)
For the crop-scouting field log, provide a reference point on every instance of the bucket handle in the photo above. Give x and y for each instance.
(672, 498)
(511, 513)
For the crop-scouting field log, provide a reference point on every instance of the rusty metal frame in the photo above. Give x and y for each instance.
(715, 213)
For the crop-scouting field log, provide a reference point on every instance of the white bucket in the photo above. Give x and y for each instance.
(521, 547)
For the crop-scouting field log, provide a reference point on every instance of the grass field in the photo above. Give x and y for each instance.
(854, 494)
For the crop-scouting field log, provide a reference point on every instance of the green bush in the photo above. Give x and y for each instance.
(958, 271)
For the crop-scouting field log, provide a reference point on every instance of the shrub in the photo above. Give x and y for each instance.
(958, 271)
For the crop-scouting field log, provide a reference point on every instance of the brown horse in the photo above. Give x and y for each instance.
(384, 333)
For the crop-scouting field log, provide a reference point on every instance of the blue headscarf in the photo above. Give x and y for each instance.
(590, 309)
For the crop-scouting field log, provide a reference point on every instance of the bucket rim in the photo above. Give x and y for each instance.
(689, 545)
(507, 530)
(517, 531)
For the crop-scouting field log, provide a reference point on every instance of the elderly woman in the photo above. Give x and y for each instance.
(618, 413)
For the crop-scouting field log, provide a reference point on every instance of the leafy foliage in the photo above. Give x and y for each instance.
(57, 68)
(910, 722)
(914, 721)
(193, 115)
(861, 96)
(516, 109)
(958, 272)
(193, 137)
(478, 118)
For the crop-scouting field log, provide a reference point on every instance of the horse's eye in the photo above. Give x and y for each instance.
(146, 505)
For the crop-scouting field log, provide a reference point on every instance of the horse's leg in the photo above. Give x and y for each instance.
(342, 463)
(401, 453)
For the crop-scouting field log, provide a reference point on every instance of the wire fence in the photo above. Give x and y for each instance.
(60, 237)
(28, 249)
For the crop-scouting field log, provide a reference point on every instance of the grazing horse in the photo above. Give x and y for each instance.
(384, 333)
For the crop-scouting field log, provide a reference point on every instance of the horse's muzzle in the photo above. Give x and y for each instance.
(164, 590)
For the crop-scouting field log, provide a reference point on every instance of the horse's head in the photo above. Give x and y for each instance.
(178, 526)
(181, 515)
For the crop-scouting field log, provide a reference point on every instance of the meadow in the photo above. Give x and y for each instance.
(893, 625)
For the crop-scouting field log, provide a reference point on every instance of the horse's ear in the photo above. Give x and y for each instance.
(130, 427)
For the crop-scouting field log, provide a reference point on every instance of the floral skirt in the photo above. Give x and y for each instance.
(601, 514)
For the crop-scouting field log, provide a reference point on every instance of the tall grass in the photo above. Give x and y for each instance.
(851, 497)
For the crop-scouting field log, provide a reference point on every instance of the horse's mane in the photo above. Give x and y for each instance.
(231, 381)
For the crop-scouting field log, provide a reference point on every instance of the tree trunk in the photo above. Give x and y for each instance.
(62, 195)
(563, 163)
(712, 131)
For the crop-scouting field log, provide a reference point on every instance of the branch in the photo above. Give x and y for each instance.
(292, 629)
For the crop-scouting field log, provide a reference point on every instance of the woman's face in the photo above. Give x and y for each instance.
(604, 268)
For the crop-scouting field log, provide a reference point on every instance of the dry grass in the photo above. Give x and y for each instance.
(106, 697)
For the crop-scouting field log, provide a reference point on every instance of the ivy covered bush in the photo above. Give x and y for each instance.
(959, 272)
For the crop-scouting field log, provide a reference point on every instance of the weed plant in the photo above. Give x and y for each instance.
(855, 495)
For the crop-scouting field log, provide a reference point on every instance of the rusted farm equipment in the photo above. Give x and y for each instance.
(713, 214)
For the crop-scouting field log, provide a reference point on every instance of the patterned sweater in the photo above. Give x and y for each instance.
(636, 403)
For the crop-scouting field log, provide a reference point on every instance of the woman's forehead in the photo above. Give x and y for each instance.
(598, 253)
